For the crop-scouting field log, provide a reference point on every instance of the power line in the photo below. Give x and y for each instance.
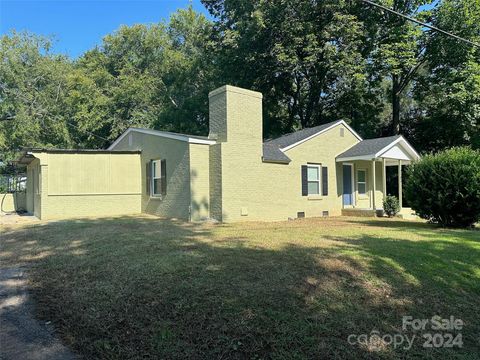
(421, 23)
(89, 132)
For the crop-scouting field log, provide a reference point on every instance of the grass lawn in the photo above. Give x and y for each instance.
(140, 287)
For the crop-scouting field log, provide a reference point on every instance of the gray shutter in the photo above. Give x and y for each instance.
(148, 176)
(163, 166)
(324, 180)
(304, 180)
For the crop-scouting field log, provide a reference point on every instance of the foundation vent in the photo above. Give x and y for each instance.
(325, 213)
(301, 214)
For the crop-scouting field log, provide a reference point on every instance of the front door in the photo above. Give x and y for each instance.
(347, 185)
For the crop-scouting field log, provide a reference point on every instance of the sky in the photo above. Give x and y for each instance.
(77, 25)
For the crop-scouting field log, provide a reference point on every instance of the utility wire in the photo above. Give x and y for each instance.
(89, 132)
(421, 23)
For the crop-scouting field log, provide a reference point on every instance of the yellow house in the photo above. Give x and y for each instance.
(231, 175)
(74, 183)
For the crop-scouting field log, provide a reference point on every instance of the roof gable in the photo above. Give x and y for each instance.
(273, 150)
(288, 141)
(395, 147)
(396, 152)
(166, 134)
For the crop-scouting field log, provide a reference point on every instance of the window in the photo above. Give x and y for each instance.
(158, 184)
(362, 182)
(313, 179)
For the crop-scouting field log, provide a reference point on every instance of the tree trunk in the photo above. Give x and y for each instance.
(396, 104)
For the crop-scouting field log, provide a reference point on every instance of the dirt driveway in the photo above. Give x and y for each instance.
(11, 219)
(21, 335)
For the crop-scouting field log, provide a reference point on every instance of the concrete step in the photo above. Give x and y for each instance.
(408, 214)
(358, 212)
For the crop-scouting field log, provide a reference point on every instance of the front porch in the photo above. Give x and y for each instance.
(364, 174)
(405, 213)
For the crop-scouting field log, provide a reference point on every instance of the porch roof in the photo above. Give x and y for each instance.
(392, 147)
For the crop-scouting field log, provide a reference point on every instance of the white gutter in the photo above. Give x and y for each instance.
(167, 135)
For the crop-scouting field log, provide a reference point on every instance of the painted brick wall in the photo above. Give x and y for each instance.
(253, 190)
(217, 102)
(29, 192)
(276, 193)
(176, 203)
(240, 150)
(32, 198)
(199, 181)
(215, 162)
(66, 188)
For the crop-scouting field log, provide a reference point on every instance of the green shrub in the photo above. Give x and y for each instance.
(391, 206)
(445, 187)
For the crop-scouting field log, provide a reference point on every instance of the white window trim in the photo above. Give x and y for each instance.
(153, 178)
(362, 182)
(319, 166)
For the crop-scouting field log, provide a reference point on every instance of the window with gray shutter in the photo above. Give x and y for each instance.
(304, 180)
(324, 180)
(163, 177)
(148, 172)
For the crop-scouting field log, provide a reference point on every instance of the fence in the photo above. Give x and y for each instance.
(13, 183)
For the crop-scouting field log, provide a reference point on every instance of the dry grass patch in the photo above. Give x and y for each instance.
(136, 287)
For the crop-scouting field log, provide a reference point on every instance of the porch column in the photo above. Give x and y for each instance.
(384, 177)
(373, 184)
(400, 195)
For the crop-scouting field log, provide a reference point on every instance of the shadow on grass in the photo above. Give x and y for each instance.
(134, 287)
(410, 224)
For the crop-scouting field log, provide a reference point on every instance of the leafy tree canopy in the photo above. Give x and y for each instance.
(314, 61)
(154, 76)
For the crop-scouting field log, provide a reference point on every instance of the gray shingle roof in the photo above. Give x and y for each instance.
(271, 152)
(271, 148)
(368, 147)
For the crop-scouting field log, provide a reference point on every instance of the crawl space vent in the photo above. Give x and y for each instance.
(301, 214)
(325, 213)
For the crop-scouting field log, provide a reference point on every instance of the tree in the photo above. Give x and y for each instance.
(395, 48)
(155, 76)
(302, 55)
(314, 61)
(32, 93)
(448, 93)
(152, 76)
